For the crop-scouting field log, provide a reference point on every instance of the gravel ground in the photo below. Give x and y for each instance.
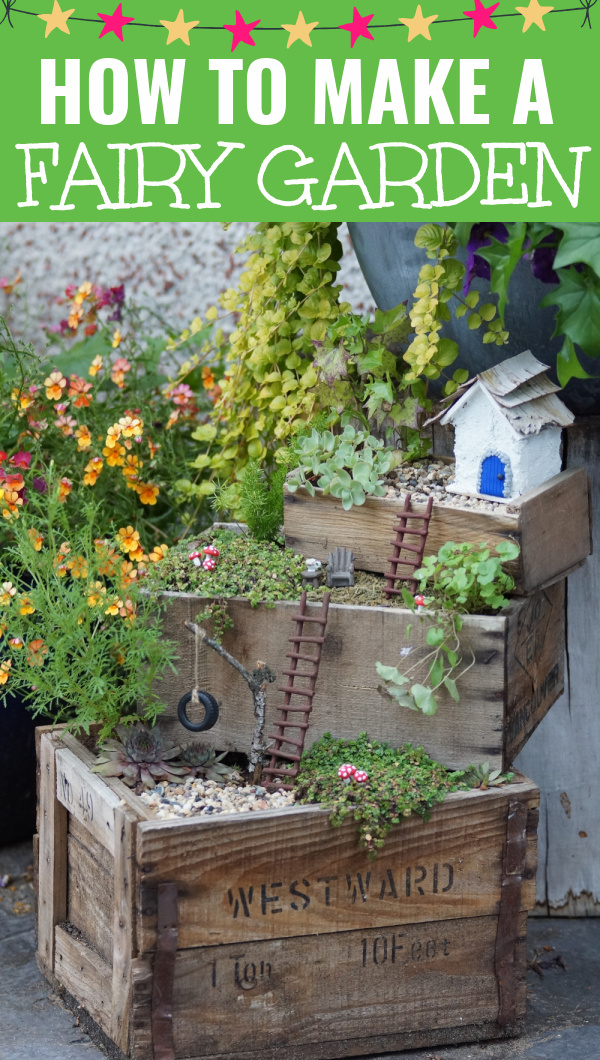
(204, 798)
(430, 478)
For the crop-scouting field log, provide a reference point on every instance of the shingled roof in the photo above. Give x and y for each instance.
(523, 393)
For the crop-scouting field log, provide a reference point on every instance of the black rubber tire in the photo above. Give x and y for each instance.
(211, 715)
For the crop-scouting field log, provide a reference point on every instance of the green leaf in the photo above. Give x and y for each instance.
(434, 637)
(205, 433)
(568, 366)
(460, 376)
(447, 352)
(424, 698)
(391, 673)
(429, 237)
(372, 360)
(580, 242)
(332, 361)
(451, 686)
(507, 550)
(462, 231)
(503, 258)
(436, 672)
(578, 299)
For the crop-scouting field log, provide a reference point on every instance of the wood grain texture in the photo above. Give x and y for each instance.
(52, 863)
(324, 992)
(316, 525)
(86, 797)
(563, 753)
(86, 976)
(347, 699)
(289, 873)
(91, 889)
(124, 943)
(125, 795)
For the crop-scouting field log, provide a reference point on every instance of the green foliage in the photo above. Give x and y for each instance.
(140, 756)
(259, 500)
(351, 465)
(483, 777)
(78, 643)
(400, 782)
(461, 579)
(203, 761)
(260, 571)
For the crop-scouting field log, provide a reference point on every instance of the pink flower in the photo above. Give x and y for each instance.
(21, 459)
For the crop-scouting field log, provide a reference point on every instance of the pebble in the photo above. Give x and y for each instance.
(426, 479)
(203, 798)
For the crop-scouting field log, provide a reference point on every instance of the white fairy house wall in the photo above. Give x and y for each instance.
(507, 430)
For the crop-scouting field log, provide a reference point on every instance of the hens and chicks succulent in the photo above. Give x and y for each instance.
(142, 756)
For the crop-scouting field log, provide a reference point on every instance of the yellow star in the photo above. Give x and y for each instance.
(533, 13)
(418, 26)
(179, 29)
(301, 31)
(57, 20)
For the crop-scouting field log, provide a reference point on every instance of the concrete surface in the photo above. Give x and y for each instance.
(563, 1020)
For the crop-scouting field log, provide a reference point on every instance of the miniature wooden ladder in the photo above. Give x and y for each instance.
(415, 558)
(278, 766)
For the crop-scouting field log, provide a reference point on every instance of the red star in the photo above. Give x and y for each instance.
(241, 31)
(114, 23)
(481, 17)
(358, 27)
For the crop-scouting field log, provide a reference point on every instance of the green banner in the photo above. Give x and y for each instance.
(389, 111)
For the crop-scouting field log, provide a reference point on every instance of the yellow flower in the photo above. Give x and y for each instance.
(16, 643)
(112, 436)
(158, 552)
(27, 607)
(153, 448)
(131, 426)
(114, 456)
(78, 566)
(5, 670)
(147, 493)
(95, 366)
(113, 609)
(37, 651)
(8, 591)
(132, 467)
(92, 471)
(84, 438)
(55, 384)
(95, 594)
(116, 339)
(138, 556)
(36, 539)
(128, 539)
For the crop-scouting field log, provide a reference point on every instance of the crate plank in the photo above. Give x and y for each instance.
(90, 889)
(124, 942)
(125, 795)
(316, 525)
(322, 992)
(86, 797)
(52, 854)
(289, 873)
(347, 699)
(86, 976)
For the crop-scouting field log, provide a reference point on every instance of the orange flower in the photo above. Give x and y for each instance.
(153, 448)
(36, 539)
(208, 379)
(131, 426)
(78, 566)
(147, 493)
(118, 370)
(79, 389)
(24, 398)
(128, 539)
(84, 438)
(92, 471)
(158, 552)
(27, 607)
(117, 338)
(5, 670)
(138, 556)
(114, 456)
(132, 467)
(95, 594)
(36, 653)
(128, 611)
(3, 629)
(16, 643)
(113, 608)
(55, 384)
(95, 366)
(11, 501)
(64, 488)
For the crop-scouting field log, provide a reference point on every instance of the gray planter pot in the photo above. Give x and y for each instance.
(390, 263)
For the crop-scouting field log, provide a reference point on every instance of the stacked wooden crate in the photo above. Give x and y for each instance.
(271, 936)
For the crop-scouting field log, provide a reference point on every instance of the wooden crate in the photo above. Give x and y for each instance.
(552, 526)
(272, 936)
(518, 674)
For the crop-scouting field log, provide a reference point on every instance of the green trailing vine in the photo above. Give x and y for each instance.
(461, 579)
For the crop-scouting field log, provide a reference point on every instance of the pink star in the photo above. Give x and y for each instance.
(481, 17)
(241, 31)
(114, 23)
(358, 27)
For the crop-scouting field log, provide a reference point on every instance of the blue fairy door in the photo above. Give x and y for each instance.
(493, 476)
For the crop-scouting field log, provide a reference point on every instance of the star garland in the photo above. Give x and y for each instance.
(241, 31)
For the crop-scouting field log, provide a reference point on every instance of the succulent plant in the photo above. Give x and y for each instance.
(202, 761)
(140, 756)
(350, 466)
(483, 777)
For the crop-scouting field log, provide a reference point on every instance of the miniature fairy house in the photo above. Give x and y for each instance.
(507, 429)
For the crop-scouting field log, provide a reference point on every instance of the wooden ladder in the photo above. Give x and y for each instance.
(285, 763)
(415, 557)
